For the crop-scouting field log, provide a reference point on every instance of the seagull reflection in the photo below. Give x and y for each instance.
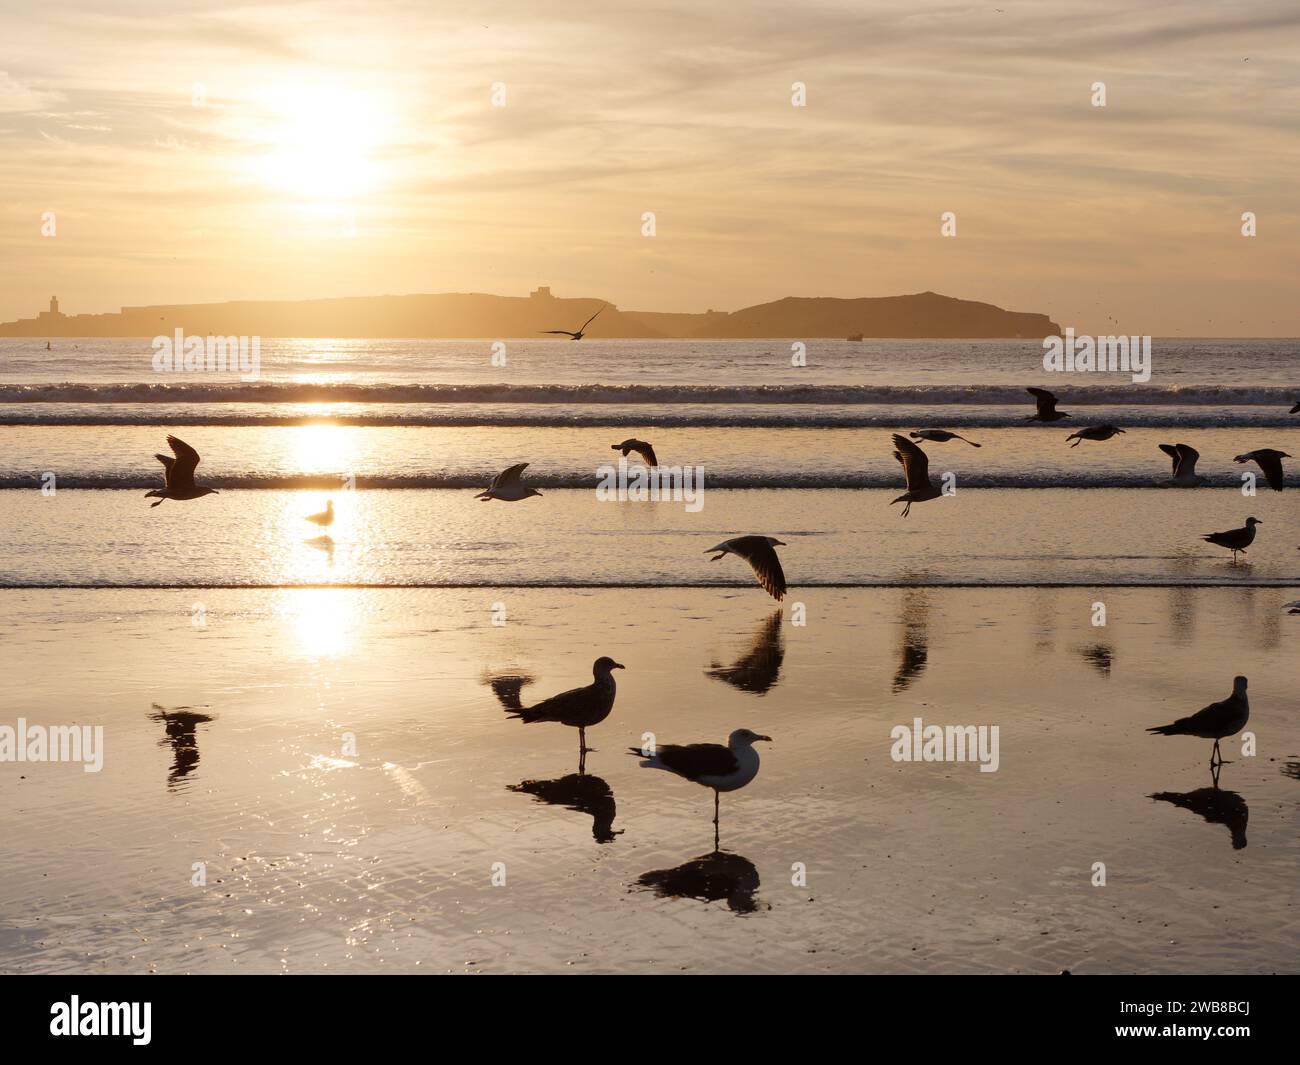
(1099, 655)
(325, 544)
(581, 793)
(709, 878)
(1291, 769)
(506, 687)
(758, 670)
(914, 650)
(1215, 806)
(181, 723)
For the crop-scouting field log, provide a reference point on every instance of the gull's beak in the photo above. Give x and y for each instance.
(619, 665)
(768, 738)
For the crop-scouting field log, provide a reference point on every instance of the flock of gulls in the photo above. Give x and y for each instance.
(725, 768)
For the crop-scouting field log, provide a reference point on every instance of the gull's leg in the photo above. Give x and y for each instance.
(715, 820)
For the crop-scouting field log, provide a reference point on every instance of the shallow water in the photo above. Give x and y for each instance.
(319, 860)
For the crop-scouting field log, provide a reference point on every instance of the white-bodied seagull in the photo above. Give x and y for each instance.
(712, 765)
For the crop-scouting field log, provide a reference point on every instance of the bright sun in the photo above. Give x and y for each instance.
(322, 142)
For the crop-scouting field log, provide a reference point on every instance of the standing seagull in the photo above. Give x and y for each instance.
(1214, 722)
(916, 469)
(325, 517)
(1235, 539)
(641, 447)
(1093, 432)
(579, 708)
(581, 332)
(758, 552)
(940, 436)
(507, 486)
(179, 475)
(1270, 462)
(721, 768)
(1047, 411)
(1184, 458)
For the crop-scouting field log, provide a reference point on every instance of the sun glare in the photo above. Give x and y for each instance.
(322, 142)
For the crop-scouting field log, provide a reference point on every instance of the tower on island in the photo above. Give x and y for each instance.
(53, 312)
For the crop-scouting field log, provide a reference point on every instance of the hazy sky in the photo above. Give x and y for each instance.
(203, 151)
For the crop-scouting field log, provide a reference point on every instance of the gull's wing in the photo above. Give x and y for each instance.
(1271, 464)
(557, 332)
(510, 476)
(762, 559)
(646, 452)
(916, 464)
(1046, 401)
(1215, 716)
(180, 472)
(571, 705)
(168, 462)
(591, 319)
(1172, 451)
(1187, 457)
(695, 760)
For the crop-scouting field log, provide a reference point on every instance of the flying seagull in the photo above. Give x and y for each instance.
(179, 475)
(916, 469)
(1184, 458)
(940, 436)
(1216, 721)
(758, 552)
(1047, 411)
(641, 447)
(1235, 539)
(1093, 432)
(325, 517)
(507, 486)
(714, 766)
(1270, 462)
(579, 708)
(581, 332)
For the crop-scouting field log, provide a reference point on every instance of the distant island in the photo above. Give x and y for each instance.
(475, 315)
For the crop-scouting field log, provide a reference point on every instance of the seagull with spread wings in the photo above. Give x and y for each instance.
(1270, 462)
(1094, 432)
(759, 552)
(581, 332)
(916, 468)
(508, 487)
(1046, 411)
(1184, 458)
(179, 474)
(641, 447)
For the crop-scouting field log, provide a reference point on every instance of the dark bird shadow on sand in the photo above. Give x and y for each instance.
(760, 668)
(710, 878)
(581, 793)
(1216, 806)
(182, 736)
